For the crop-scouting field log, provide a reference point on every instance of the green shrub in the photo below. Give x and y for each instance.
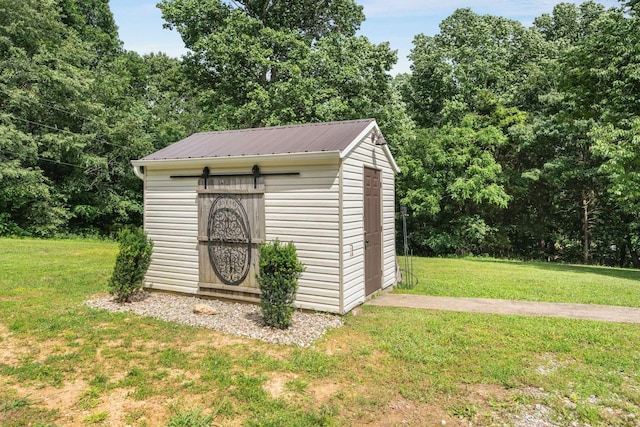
(279, 271)
(131, 264)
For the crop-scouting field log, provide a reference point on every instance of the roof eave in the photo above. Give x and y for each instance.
(317, 155)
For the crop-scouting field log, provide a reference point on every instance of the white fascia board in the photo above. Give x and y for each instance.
(344, 153)
(385, 148)
(255, 159)
(392, 161)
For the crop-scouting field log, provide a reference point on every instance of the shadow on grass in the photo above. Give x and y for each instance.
(616, 272)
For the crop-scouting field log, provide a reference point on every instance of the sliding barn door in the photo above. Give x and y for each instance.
(230, 227)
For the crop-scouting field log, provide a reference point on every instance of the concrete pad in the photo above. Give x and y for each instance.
(604, 313)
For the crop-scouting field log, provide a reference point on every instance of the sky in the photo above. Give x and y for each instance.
(393, 21)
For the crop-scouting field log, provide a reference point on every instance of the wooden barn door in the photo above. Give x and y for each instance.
(372, 231)
(230, 227)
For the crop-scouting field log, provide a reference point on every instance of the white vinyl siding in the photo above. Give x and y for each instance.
(369, 155)
(304, 209)
(171, 221)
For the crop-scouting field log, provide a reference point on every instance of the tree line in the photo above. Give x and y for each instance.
(513, 141)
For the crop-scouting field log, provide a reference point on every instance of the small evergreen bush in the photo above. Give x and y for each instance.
(279, 270)
(131, 264)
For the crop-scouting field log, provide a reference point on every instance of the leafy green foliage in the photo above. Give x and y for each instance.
(561, 97)
(284, 63)
(471, 54)
(74, 110)
(132, 262)
(601, 81)
(279, 270)
(93, 21)
(453, 184)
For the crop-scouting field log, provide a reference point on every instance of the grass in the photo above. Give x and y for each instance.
(62, 363)
(527, 281)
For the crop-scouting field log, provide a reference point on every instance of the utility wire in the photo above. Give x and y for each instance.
(61, 163)
(64, 130)
(50, 105)
(61, 130)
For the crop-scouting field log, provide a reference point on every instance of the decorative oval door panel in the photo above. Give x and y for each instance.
(229, 239)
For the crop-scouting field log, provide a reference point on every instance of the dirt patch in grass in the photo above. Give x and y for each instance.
(400, 411)
(183, 375)
(14, 352)
(123, 410)
(121, 407)
(64, 399)
(348, 341)
(485, 394)
(324, 390)
(11, 350)
(276, 385)
(340, 345)
(279, 385)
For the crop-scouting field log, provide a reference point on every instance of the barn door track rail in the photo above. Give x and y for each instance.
(255, 173)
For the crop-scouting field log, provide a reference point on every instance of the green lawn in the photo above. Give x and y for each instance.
(528, 281)
(64, 364)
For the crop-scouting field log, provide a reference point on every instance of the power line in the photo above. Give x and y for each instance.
(64, 130)
(59, 162)
(50, 105)
(44, 159)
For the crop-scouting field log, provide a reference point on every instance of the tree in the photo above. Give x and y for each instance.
(578, 94)
(70, 122)
(279, 62)
(568, 163)
(601, 78)
(465, 89)
(40, 63)
(94, 24)
(472, 53)
(554, 174)
(454, 186)
(176, 107)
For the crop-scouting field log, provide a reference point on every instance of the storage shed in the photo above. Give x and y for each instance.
(212, 198)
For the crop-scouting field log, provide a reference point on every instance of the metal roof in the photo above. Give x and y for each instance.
(305, 138)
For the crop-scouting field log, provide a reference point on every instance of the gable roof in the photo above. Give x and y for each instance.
(304, 138)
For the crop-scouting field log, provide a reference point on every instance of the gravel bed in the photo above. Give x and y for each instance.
(244, 320)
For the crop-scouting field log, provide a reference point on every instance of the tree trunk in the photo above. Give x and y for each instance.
(623, 255)
(587, 198)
